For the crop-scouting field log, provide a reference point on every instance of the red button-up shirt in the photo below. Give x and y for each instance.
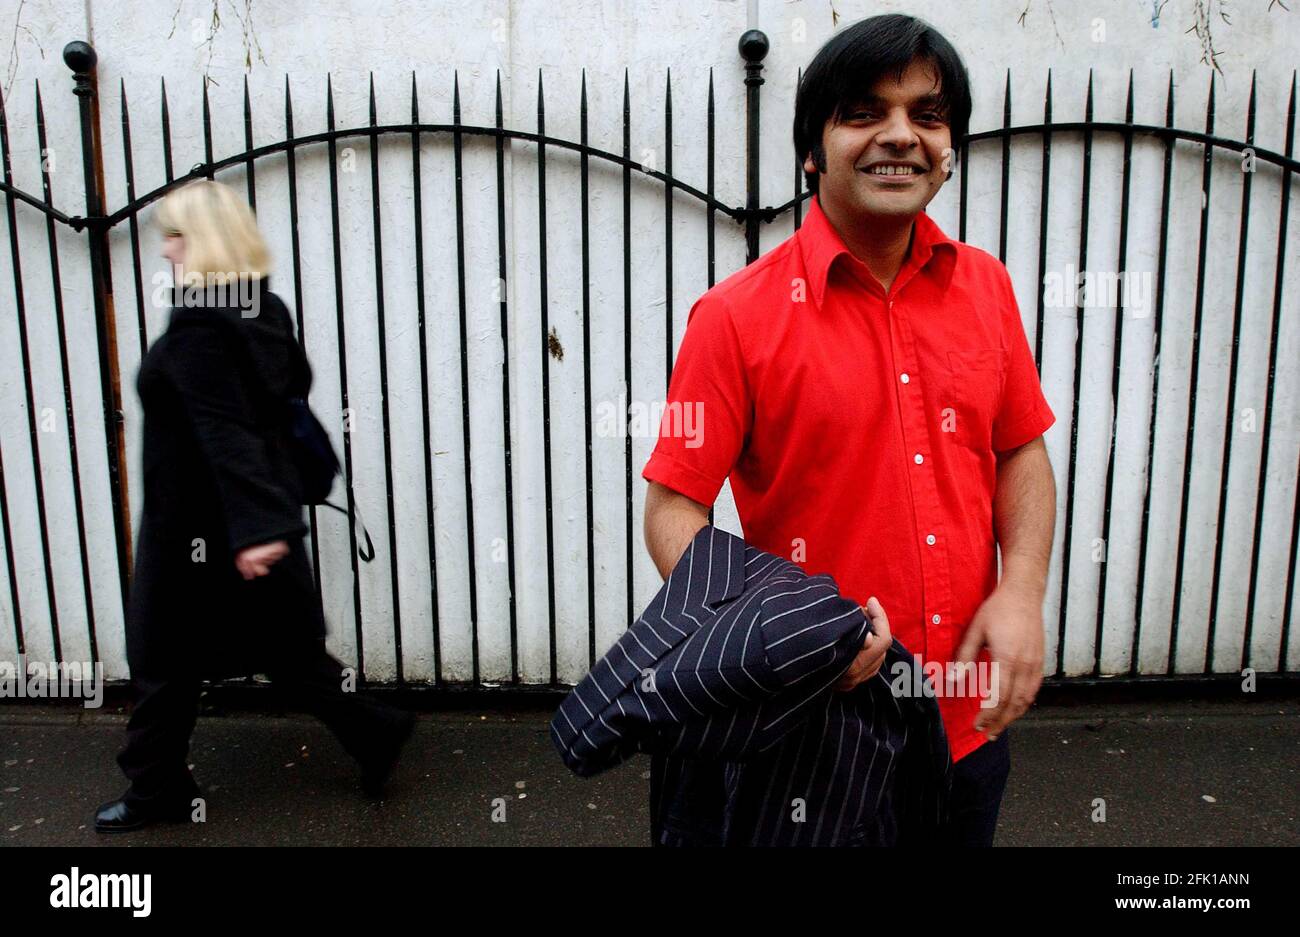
(859, 427)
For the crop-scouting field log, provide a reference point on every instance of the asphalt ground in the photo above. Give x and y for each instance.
(1167, 773)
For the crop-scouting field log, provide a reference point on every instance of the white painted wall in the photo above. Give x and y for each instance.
(353, 42)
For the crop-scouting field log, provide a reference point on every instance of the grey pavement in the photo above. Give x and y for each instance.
(1169, 773)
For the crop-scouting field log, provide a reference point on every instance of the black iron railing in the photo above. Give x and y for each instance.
(97, 222)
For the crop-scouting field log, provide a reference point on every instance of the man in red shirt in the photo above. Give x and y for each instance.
(868, 388)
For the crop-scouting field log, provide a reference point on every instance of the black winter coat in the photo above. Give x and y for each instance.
(218, 478)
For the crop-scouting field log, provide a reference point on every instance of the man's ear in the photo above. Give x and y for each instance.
(815, 161)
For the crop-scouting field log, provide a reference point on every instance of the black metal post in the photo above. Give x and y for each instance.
(753, 48)
(81, 58)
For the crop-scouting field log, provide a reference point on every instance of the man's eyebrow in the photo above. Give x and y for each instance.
(931, 99)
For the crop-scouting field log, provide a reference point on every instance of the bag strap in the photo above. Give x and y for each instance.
(364, 553)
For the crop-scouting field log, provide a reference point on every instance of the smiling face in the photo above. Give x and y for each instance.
(887, 156)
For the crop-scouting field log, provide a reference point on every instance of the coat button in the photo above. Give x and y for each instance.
(918, 458)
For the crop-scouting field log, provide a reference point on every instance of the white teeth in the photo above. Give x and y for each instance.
(892, 170)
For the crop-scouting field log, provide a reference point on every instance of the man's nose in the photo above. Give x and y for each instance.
(897, 131)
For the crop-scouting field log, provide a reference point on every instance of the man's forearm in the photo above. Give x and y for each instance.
(671, 522)
(1024, 517)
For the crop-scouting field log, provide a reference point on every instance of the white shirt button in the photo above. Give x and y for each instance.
(918, 458)
(935, 619)
(905, 377)
(930, 539)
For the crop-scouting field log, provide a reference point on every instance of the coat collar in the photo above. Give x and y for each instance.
(726, 552)
(195, 304)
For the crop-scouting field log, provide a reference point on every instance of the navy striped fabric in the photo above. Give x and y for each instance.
(726, 680)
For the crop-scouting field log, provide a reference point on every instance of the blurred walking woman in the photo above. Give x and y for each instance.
(222, 584)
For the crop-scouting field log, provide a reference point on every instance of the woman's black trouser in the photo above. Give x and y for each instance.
(158, 734)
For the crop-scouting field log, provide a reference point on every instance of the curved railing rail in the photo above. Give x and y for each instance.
(97, 223)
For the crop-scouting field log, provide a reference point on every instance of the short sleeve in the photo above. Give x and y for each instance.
(1023, 414)
(709, 410)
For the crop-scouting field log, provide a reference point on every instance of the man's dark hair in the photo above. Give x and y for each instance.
(848, 66)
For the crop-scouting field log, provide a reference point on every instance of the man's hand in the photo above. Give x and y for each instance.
(257, 561)
(1010, 624)
(867, 664)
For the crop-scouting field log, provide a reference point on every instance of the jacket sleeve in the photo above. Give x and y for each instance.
(801, 642)
(258, 506)
(728, 691)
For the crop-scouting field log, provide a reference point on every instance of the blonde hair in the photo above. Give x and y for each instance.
(222, 241)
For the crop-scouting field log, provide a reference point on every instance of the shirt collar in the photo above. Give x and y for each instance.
(822, 246)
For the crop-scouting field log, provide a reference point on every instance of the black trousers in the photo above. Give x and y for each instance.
(978, 783)
(158, 733)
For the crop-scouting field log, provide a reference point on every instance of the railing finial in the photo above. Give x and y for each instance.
(80, 57)
(753, 48)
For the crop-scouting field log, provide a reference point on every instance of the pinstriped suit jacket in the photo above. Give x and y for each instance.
(726, 680)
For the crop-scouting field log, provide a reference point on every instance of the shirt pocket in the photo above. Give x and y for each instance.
(972, 396)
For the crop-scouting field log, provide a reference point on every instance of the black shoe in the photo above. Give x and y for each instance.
(128, 813)
(376, 770)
